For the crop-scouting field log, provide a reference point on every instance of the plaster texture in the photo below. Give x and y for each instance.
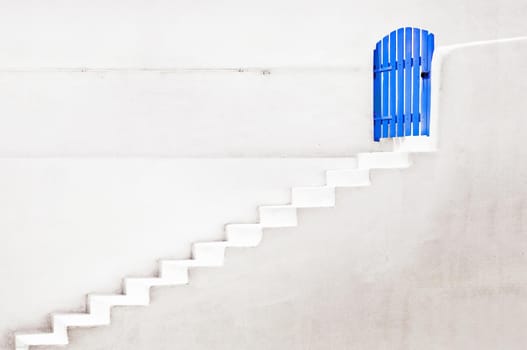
(233, 33)
(431, 257)
(97, 99)
(162, 77)
(202, 113)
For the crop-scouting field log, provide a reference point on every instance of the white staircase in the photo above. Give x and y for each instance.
(136, 291)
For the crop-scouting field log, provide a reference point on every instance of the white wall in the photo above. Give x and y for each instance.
(315, 102)
(233, 33)
(430, 257)
(287, 113)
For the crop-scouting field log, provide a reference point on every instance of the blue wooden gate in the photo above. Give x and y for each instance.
(401, 83)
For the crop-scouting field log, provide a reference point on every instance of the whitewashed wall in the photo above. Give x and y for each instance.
(70, 86)
(232, 33)
(302, 113)
(429, 257)
(314, 102)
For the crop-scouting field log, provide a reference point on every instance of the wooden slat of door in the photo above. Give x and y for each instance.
(408, 81)
(392, 84)
(400, 82)
(385, 77)
(425, 85)
(376, 94)
(430, 53)
(416, 81)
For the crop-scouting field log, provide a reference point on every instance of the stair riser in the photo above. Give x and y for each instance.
(278, 216)
(243, 235)
(211, 253)
(383, 160)
(316, 197)
(348, 178)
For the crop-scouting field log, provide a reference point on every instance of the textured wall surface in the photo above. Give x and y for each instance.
(313, 112)
(432, 257)
(233, 33)
(309, 94)
(89, 79)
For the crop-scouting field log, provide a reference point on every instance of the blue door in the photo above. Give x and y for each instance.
(401, 83)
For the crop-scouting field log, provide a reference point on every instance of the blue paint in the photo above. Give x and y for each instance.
(376, 94)
(425, 129)
(401, 83)
(407, 81)
(393, 66)
(416, 80)
(385, 77)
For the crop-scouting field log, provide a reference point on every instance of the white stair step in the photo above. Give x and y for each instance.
(383, 160)
(211, 252)
(98, 305)
(187, 263)
(176, 273)
(60, 328)
(147, 282)
(117, 300)
(23, 341)
(80, 320)
(278, 216)
(313, 197)
(348, 178)
(137, 290)
(243, 235)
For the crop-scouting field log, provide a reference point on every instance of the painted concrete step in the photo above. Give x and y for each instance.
(81, 320)
(178, 274)
(117, 300)
(383, 160)
(243, 235)
(278, 216)
(348, 178)
(188, 263)
(313, 197)
(211, 252)
(23, 341)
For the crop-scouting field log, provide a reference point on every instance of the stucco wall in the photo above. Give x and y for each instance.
(315, 112)
(65, 218)
(233, 33)
(315, 101)
(431, 257)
